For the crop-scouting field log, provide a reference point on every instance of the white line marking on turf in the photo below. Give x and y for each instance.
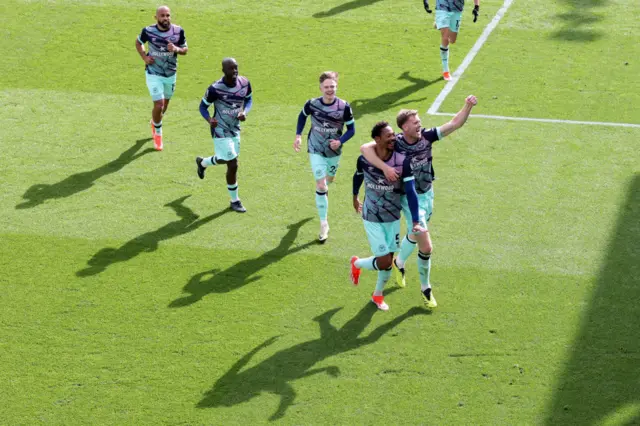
(467, 60)
(545, 120)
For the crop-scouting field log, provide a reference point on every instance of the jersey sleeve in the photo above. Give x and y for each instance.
(306, 109)
(407, 174)
(358, 176)
(433, 134)
(360, 165)
(249, 90)
(143, 37)
(182, 40)
(348, 114)
(210, 95)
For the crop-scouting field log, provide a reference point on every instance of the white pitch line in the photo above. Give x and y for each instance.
(546, 120)
(467, 60)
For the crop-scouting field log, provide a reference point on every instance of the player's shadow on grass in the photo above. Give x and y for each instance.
(78, 182)
(602, 376)
(242, 273)
(578, 20)
(345, 7)
(394, 99)
(148, 242)
(276, 373)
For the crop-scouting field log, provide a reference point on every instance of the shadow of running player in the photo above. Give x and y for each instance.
(41, 192)
(345, 7)
(389, 100)
(276, 373)
(580, 21)
(243, 272)
(148, 242)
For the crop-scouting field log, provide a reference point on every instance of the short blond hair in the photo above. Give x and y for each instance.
(404, 115)
(328, 75)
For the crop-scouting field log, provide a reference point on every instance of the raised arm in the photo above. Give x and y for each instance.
(460, 118)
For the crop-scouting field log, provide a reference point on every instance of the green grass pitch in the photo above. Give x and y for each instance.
(130, 294)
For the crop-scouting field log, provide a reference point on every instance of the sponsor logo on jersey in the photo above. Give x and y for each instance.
(378, 187)
(326, 128)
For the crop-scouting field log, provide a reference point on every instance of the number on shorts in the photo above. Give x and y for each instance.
(332, 170)
(397, 239)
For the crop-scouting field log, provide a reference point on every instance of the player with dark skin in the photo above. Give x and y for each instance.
(230, 71)
(383, 148)
(163, 19)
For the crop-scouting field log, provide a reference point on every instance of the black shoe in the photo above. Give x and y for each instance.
(201, 169)
(237, 206)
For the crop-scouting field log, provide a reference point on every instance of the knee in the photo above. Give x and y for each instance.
(427, 248)
(425, 245)
(233, 165)
(158, 104)
(384, 262)
(452, 39)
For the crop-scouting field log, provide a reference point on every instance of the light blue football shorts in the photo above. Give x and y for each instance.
(449, 20)
(161, 87)
(322, 166)
(226, 148)
(384, 237)
(425, 208)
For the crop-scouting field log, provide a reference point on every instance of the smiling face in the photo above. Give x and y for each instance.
(412, 127)
(387, 138)
(409, 121)
(163, 17)
(329, 87)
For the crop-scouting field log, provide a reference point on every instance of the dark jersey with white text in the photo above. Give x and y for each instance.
(382, 199)
(420, 158)
(228, 102)
(327, 122)
(165, 63)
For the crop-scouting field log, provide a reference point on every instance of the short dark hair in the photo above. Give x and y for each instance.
(228, 60)
(404, 115)
(377, 129)
(328, 75)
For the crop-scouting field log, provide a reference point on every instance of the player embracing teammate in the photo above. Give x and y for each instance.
(415, 142)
